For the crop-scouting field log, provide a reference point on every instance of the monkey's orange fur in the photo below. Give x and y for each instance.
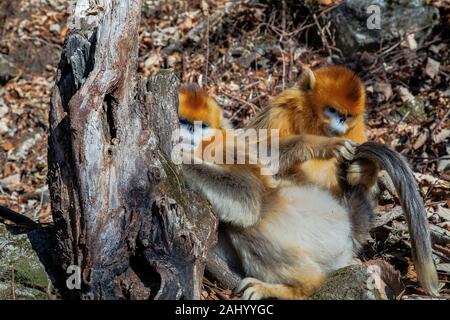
(272, 222)
(300, 110)
(196, 105)
(268, 208)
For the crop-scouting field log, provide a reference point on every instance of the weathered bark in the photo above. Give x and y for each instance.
(121, 209)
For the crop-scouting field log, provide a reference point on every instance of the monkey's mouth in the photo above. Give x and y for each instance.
(331, 132)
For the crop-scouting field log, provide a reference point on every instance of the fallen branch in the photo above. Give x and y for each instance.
(17, 218)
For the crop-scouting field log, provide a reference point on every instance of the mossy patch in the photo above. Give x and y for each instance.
(18, 256)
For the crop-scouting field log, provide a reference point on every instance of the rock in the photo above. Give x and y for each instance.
(385, 197)
(443, 165)
(437, 48)
(432, 68)
(152, 60)
(4, 128)
(232, 86)
(443, 135)
(411, 41)
(367, 58)
(443, 267)
(404, 94)
(3, 109)
(443, 213)
(7, 71)
(397, 19)
(11, 180)
(384, 88)
(411, 105)
(30, 279)
(56, 28)
(372, 280)
(349, 283)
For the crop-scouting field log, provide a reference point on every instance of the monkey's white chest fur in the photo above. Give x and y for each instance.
(309, 233)
(316, 223)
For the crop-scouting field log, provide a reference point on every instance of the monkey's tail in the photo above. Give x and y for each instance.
(413, 208)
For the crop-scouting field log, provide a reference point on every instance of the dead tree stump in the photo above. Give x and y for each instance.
(121, 208)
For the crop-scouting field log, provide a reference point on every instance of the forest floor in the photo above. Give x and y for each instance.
(243, 53)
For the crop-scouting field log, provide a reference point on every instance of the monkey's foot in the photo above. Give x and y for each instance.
(254, 289)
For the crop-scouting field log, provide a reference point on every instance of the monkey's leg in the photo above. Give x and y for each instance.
(302, 148)
(362, 176)
(254, 289)
(361, 214)
(363, 172)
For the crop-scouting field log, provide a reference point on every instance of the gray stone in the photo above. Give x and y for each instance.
(432, 68)
(7, 71)
(349, 283)
(397, 19)
(443, 165)
(56, 28)
(10, 180)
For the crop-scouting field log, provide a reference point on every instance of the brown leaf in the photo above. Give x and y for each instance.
(421, 140)
(390, 283)
(7, 146)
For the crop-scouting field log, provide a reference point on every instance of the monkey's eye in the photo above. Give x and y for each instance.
(205, 125)
(349, 117)
(332, 110)
(184, 122)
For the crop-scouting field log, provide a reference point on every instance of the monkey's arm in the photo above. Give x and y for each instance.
(301, 148)
(234, 191)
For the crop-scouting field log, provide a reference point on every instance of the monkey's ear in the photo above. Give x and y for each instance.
(307, 79)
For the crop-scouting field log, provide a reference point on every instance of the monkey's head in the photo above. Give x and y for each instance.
(199, 114)
(196, 105)
(336, 96)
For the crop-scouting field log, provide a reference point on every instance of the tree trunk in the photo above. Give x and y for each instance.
(121, 208)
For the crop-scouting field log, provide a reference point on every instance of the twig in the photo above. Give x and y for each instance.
(257, 98)
(440, 122)
(328, 9)
(401, 120)
(207, 46)
(249, 104)
(283, 20)
(322, 35)
(13, 285)
(284, 68)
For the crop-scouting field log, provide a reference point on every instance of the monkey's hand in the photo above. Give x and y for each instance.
(341, 149)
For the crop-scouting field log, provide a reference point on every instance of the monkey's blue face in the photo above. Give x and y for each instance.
(338, 122)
